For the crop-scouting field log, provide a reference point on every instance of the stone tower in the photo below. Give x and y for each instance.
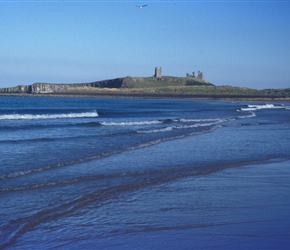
(200, 75)
(158, 73)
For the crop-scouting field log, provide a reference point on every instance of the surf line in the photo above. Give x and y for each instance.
(48, 116)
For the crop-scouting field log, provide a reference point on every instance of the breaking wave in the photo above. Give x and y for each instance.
(252, 114)
(152, 122)
(136, 123)
(48, 116)
(170, 128)
(265, 106)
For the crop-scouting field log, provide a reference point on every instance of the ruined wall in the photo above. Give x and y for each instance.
(199, 76)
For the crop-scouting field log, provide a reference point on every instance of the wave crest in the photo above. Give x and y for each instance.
(48, 116)
(265, 106)
(137, 123)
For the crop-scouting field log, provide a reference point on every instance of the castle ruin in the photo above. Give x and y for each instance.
(199, 75)
(158, 73)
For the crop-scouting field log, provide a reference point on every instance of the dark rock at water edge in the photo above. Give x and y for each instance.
(46, 88)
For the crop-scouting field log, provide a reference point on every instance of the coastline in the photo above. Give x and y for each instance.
(116, 94)
(147, 87)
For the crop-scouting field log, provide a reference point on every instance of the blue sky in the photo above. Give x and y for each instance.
(240, 43)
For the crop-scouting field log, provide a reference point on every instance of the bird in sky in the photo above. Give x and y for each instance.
(141, 6)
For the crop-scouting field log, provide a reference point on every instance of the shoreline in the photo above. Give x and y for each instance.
(107, 94)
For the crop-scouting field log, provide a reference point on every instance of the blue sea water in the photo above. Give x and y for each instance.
(105, 173)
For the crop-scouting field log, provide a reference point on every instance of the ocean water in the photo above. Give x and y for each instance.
(105, 173)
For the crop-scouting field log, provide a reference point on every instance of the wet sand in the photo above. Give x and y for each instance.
(237, 208)
(250, 206)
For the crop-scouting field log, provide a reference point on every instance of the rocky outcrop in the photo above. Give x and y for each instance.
(48, 88)
(17, 89)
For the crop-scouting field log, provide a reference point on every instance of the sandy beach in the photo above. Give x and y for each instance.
(250, 208)
(237, 208)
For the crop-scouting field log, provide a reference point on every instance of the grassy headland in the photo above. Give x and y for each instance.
(168, 86)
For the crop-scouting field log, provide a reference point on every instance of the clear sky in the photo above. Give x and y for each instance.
(240, 43)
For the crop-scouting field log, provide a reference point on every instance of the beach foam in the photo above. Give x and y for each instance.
(47, 116)
(265, 106)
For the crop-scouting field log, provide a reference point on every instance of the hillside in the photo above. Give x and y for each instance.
(165, 81)
(167, 86)
(118, 83)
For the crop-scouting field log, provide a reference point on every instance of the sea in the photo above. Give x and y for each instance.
(129, 173)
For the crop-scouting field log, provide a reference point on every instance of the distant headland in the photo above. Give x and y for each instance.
(156, 86)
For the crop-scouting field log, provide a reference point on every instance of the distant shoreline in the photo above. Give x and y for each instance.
(168, 87)
(102, 94)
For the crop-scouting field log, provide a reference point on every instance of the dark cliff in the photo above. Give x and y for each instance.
(45, 88)
(168, 86)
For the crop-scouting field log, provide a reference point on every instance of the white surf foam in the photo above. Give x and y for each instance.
(252, 114)
(137, 123)
(177, 127)
(265, 106)
(48, 116)
(201, 120)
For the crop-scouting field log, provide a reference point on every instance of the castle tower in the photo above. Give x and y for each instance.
(158, 73)
(200, 75)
